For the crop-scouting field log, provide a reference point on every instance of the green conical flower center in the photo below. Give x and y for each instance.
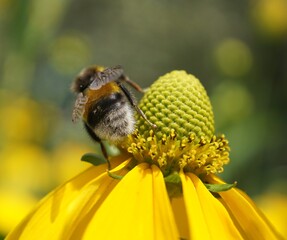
(177, 101)
(184, 138)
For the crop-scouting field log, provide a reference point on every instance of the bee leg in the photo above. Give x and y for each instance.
(133, 103)
(104, 151)
(133, 84)
(97, 139)
(140, 112)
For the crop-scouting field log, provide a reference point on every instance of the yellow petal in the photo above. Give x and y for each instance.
(251, 220)
(196, 221)
(274, 205)
(217, 217)
(126, 212)
(61, 211)
(207, 217)
(163, 214)
(132, 210)
(179, 211)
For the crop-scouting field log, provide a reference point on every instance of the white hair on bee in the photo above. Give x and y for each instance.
(121, 123)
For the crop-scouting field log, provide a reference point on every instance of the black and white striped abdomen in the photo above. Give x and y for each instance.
(112, 117)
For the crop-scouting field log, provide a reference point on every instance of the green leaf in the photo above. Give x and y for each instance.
(220, 187)
(115, 176)
(173, 178)
(94, 159)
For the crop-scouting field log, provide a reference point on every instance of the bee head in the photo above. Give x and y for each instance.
(85, 78)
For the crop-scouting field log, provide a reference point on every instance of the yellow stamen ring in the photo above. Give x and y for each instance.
(172, 154)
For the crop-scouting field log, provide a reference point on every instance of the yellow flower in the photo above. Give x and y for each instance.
(274, 205)
(271, 17)
(14, 205)
(162, 186)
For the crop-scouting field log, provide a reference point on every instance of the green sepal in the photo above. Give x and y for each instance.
(219, 187)
(94, 159)
(173, 178)
(115, 176)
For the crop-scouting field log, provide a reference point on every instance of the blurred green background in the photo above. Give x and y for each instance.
(238, 49)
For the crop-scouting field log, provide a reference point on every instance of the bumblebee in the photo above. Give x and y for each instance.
(105, 104)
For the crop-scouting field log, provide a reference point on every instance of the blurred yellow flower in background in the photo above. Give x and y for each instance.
(70, 52)
(163, 185)
(274, 205)
(14, 205)
(233, 57)
(271, 17)
(230, 110)
(17, 122)
(26, 167)
(62, 166)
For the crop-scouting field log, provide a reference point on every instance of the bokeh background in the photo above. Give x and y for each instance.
(238, 49)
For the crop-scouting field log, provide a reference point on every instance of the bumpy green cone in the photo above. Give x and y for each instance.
(177, 101)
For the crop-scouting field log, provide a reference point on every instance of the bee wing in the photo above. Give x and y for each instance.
(79, 107)
(106, 76)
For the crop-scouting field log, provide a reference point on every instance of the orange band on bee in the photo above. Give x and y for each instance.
(95, 95)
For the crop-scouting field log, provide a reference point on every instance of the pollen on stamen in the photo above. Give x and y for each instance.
(172, 154)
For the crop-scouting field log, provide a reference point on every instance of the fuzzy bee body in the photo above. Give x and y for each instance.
(105, 105)
(111, 117)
